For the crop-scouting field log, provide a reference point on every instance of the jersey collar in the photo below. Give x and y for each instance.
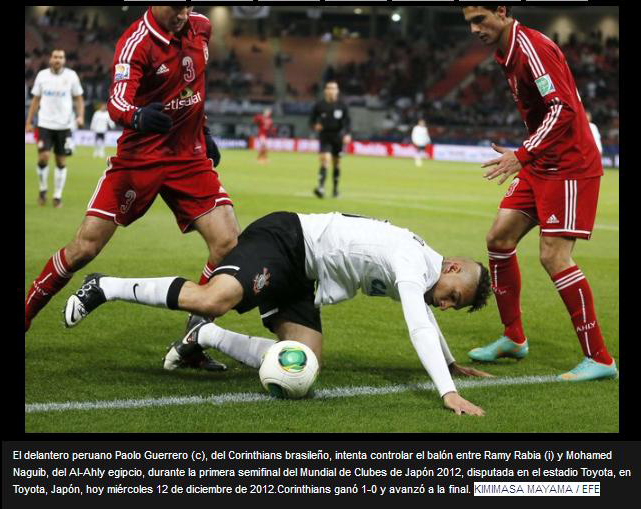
(499, 56)
(156, 30)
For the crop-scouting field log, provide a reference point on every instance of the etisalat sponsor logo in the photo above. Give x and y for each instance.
(187, 98)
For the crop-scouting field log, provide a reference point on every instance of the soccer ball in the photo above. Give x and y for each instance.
(288, 370)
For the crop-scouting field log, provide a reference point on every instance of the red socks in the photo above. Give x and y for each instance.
(577, 296)
(208, 271)
(51, 280)
(506, 284)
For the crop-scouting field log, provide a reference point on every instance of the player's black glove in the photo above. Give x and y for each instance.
(212, 149)
(150, 118)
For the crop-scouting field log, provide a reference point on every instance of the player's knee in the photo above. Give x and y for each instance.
(496, 239)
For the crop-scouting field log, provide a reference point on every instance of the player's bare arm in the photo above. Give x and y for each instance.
(79, 104)
(33, 107)
(504, 166)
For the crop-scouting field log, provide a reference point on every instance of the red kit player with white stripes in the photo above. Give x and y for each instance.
(157, 95)
(557, 187)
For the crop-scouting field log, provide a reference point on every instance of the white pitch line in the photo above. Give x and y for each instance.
(245, 397)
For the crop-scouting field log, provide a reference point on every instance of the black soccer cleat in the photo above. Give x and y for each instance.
(84, 301)
(193, 320)
(319, 192)
(187, 353)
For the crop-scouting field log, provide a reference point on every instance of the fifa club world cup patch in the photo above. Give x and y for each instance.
(261, 281)
(121, 72)
(545, 85)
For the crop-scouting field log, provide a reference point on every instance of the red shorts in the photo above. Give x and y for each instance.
(128, 188)
(562, 208)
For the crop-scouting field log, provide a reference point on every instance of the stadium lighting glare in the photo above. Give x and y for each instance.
(358, 10)
(396, 17)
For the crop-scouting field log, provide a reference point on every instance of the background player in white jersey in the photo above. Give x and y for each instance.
(288, 265)
(100, 124)
(420, 139)
(54, 90)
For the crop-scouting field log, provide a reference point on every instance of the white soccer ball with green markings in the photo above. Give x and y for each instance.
(289, 370)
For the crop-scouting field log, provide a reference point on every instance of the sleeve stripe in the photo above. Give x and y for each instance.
(118, 97)
(535, 62)
(132, 43)
(544, 128)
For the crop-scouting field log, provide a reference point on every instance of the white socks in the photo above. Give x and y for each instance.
(149, 291)
(59, 178)
(43, 177)
(246, 349)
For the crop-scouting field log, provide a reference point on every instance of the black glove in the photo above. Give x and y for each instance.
(212, 149)
(150, 118)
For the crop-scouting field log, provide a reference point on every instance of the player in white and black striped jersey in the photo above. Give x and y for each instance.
(56, 90)
(100, 124)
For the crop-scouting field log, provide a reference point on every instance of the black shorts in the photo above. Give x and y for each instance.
(331, 142)
(269, 263)
(100, 136)
(61, 141)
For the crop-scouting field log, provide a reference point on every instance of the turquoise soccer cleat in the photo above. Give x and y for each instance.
(502, 347)
(589, 369)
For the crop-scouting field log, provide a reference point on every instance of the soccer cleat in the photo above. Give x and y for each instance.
(335, 193)
(193, 320)
(589, 369)
(57, 203)
(84, 301)
(502, 347)
(187, 353)
(319, 192)
(42, 198)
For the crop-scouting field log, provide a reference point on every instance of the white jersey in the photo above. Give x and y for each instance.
(56, 92)
(597, 136)
(101, 122)
(420, 136)
(346, 253)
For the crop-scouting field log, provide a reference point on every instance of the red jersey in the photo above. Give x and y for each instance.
(560, 145)
(265, 124)
(151, 65)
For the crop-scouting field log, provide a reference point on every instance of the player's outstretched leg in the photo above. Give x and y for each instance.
(187, 353)
(87, 298)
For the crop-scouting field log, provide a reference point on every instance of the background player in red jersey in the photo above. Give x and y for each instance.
(265, 128)
(557, 187)
(157, 94)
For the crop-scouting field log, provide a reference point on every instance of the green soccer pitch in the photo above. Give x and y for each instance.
(105, 375)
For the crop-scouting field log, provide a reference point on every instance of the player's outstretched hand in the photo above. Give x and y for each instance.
(504, 166)
(150, 118)
(456, 369)
(459, 406)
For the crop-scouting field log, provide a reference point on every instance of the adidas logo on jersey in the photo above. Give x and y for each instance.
(552, 220)
(162, 69)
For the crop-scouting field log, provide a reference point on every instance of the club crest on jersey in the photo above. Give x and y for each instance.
(186, 92)
(510, 190)
(261, 281)
(545, 85)
(121, 72)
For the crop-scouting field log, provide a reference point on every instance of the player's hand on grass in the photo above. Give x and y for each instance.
(151, 118)
(504, 166)
(456, 369)
(456, 403)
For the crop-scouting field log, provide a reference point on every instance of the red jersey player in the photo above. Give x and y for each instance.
(265, 128)
(158, 95)
(557, 187)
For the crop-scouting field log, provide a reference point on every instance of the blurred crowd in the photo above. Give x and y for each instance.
(394, 77)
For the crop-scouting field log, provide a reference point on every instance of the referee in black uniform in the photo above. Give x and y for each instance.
(330, 118)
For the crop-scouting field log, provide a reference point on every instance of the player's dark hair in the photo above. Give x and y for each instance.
(482, 290)
(493, 8)
(57, 49)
